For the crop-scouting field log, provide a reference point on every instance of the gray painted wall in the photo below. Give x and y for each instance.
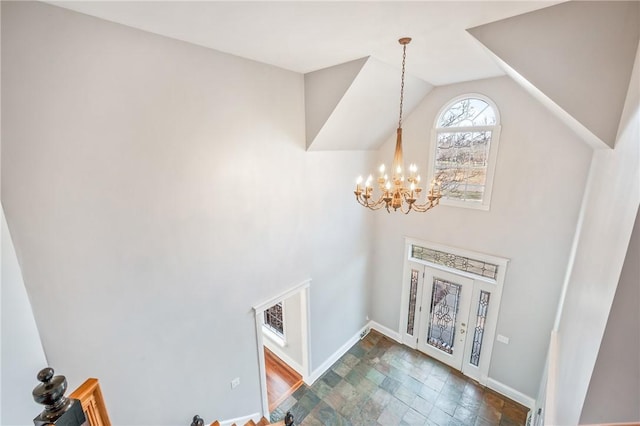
(155, 191)
(22, 353)
(614, 389)
(610, 206)
(539, 181)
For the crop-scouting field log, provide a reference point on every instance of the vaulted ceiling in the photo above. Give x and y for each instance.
(350, 56)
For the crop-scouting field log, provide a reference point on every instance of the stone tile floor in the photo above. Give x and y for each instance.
(380, 382)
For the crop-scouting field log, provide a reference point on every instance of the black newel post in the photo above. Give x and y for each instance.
(197, 421)
(58, 409)
(288, 419)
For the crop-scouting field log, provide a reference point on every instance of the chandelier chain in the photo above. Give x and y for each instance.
(398, 191)
(404, 58)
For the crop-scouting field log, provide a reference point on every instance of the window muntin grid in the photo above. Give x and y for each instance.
(274, 320)
(483, 307)
(461, 263)
(464, 152)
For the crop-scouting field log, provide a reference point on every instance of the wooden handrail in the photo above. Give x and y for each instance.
(90, 395)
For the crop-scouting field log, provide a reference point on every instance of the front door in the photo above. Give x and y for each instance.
(446, 299)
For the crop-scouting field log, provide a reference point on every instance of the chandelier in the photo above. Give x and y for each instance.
(398, 192)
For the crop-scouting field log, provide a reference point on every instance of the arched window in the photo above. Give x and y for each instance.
(464, 150)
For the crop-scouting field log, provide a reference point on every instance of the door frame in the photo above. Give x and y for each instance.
(481, 283)
(303, 289)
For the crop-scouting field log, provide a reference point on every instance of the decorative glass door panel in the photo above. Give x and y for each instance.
(446, 299)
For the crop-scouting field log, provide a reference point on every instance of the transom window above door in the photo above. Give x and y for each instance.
(464, 150)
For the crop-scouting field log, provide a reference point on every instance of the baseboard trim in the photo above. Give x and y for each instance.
(334, 357)
(509, 392)
(384, 330)
(242, 420)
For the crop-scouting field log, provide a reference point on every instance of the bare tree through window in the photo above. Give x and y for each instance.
(464, 135)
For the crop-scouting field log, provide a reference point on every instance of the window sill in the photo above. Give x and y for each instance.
(274, 337)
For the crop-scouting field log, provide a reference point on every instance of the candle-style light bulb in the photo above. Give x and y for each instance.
(368, 182)
(359, 180)
(382, 169)
(387, 185)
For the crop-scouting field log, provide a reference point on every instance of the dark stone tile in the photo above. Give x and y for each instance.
(493, 399)
(393, 412)
(341, 368)
(429, 394)
(439, 417)
(451, 392)
(375, 376)
(422, 406)
(347, 390)
(351, 408)
(299, 393)
(327, 415)
(309, 401)
(515, 412)
(287, 404)
(484, 422)
(507, 421)
(412, 384)
(465, 415)
(321, 389)
(357, 351)
(371, 410)
(456, 422)
(473, 390)
(366, 387)
(350, 360)
(446, 404)
(440, 371)
(470, 402)
(397, 374)
(383, 367)
(299, 413)
(382, 397)
(405, 395)
(331, 378)
(354, 378)
(335, 399)
(276, 415)
(413, 418)
(434, 383)
(489, 413)
(390, 385)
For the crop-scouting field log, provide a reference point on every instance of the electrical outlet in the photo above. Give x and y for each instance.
(235, 382)
(364, 333)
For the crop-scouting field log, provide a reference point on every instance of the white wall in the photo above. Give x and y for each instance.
(614, 389)
(539, 180)
(22, 353)
(156, 191)
(610, 207)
